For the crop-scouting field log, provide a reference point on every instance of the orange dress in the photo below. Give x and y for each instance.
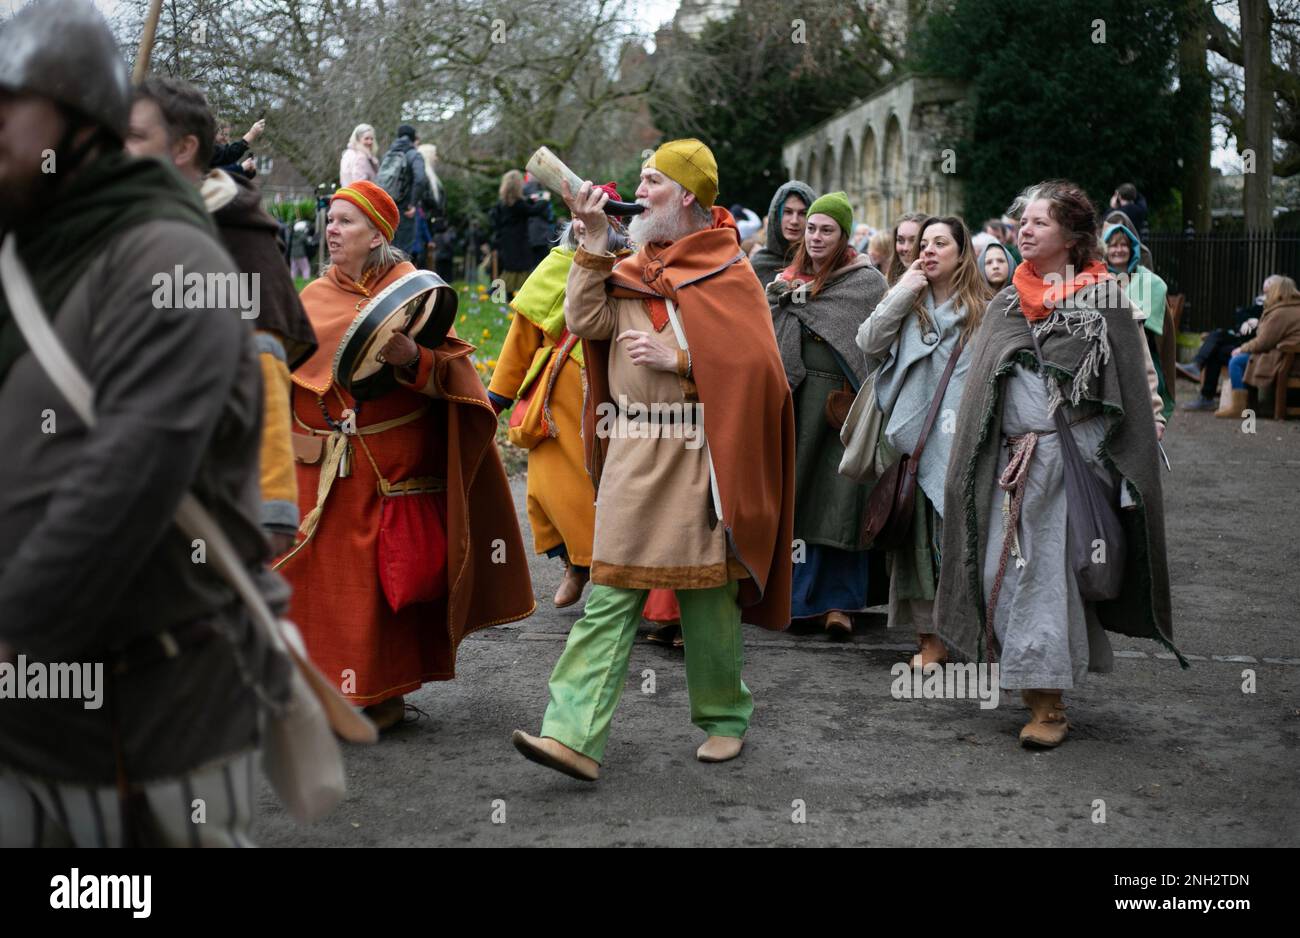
(338, 602)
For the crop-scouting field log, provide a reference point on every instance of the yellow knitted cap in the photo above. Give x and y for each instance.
(690, 164)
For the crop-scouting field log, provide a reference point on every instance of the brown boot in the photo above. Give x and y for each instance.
(719, 748)
(555, 755)
(1235, 406)
(571, 587)
(1048, 726)
(387, 713)
(932, 651)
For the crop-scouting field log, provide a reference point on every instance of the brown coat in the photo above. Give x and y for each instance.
(1279, 325)
(744, 400)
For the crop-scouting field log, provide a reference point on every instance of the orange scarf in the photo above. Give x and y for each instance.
(332, 302)
(1038, 297)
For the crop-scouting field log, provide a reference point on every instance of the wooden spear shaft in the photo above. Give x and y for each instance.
(146, 41)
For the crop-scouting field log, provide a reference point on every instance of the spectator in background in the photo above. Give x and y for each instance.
(1116, 217)
(541, 227)
(1258, 363)
(907, 230)
(878, 250)
(1129, 201)
(1216, 350)
(747, 223)
(360, 160)
(437, 213)
(786, 216)
(509, 222)
(300, 239)
(980, 241)
(445, 241)
(861, 238)
(1146, 293)
(402, 176)
(429, 220)
(996, 265)
(231, 155)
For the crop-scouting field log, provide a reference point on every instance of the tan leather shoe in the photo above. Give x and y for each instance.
(839, 625)
(1048, 725)
(571, 587)
(932, 651)
(555, 755)
(387, 713)
(719, 748)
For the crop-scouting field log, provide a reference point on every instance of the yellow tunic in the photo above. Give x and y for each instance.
(561, 501)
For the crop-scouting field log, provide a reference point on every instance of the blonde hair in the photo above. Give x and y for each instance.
(354, 142)
(881, 244)
(1282, 291)
(430, 154)
(512, 187)
(969, 288)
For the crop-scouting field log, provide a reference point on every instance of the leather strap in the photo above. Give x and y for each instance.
(934, 407)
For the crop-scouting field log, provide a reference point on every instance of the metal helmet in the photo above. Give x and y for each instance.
(63, 50)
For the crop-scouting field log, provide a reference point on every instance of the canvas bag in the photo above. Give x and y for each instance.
(301, 756)
(1092, 514)
(861, 436)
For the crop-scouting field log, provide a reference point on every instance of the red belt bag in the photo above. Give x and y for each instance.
(412, 552)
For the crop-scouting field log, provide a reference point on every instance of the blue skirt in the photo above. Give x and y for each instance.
(830, 580)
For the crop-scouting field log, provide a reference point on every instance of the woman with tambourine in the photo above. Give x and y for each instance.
(409, 539)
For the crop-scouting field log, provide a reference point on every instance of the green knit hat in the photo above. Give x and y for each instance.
(836, 205)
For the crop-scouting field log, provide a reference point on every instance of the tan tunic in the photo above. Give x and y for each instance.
(652, 507)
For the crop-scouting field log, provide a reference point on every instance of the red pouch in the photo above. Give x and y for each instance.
(413, 543)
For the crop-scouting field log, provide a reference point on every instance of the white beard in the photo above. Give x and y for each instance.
(658, 226)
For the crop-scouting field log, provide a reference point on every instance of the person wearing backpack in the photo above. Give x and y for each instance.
(402, 176)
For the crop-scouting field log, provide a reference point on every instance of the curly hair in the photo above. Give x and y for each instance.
(1070, 207)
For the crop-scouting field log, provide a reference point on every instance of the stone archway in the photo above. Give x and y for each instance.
(848, 176)
(895, 168)
(871, 179)
(827, 182)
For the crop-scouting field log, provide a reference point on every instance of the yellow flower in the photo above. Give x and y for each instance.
(487, 333)
(464, 318)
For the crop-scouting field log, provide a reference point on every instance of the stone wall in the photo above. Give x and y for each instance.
(894, 152)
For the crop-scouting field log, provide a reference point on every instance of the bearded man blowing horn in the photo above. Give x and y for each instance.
(681, 324)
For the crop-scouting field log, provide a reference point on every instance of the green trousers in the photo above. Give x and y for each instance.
(588, 679)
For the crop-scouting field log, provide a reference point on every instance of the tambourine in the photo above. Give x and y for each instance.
(419, 304)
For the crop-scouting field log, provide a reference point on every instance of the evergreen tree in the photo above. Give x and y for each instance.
(1063, 89)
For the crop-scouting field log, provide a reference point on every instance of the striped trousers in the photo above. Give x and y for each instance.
(212, 807)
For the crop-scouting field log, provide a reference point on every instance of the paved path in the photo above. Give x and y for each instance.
(1177, 757)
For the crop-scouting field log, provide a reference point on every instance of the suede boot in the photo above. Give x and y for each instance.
(1048, 726)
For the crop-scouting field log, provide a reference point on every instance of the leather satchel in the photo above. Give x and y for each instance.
(1094, 535)
(838, 403)
(887, 521)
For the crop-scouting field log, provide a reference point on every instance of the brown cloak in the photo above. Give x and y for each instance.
(747, 408)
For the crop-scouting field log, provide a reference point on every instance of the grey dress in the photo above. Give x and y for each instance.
(1050, 636)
